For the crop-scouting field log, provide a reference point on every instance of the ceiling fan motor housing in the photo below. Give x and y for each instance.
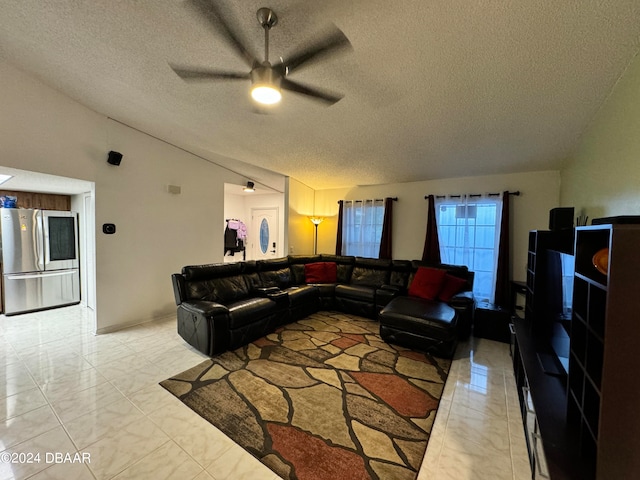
(265, 75)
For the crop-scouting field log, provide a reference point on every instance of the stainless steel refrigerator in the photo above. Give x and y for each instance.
(40, 267)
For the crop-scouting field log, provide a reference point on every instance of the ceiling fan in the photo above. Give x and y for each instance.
(267, 80)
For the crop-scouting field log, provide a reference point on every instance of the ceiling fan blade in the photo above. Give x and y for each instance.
(195, 74)
(210, 10)
(314, 93)
(330, 44)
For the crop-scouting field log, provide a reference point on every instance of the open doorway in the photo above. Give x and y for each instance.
(241, 209)
(81, 196)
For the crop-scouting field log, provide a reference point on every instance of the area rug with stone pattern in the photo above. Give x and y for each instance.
(323, 398)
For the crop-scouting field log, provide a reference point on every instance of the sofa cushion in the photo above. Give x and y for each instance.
(220, 290)
(274, 272)
(450, 286)
(371, 272)
(296, 265)
(321, 272)
(301, 295)
(276, 278)
(427, 283)
(344, 263)
(250, 310)
(400, 271)
(356, 292)
(420, 316)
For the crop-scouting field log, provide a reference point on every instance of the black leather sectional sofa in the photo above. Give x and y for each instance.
(224, 306)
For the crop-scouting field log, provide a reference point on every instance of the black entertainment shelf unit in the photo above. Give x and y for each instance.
(546, 428)
(585, 426)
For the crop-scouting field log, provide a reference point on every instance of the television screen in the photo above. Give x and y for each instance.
(560, 297)
(560, 284)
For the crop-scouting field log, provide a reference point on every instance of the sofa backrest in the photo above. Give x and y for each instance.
(400, 272)
(345, 265)
(371, 272)
(221, 283)
(274, 272)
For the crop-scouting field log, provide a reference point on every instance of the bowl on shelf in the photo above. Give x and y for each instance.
(601, 261)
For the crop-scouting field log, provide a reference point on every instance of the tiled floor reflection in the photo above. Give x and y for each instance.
(478, 431)
(65, 391)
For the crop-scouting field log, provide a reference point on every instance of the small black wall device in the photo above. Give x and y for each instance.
(109, 228)
(114, 158)
(560, 218)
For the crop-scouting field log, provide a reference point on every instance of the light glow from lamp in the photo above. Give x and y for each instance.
(266, 94)
(316, 220)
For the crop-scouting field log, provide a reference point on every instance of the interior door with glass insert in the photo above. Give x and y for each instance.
(264, 233)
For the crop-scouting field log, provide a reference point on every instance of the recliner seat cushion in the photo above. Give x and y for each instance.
(356, 292)
(428, 318)
(249, 311)
(303, 294)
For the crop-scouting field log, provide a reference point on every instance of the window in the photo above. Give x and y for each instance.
(362, 227)
(469, 234)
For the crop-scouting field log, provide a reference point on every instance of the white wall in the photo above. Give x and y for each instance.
(602, 177)
(157, 233)
(540, 191)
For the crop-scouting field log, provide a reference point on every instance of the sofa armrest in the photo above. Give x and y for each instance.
(464, 304)
(204, 325)
(385, 294)
(179, 288)
(204, 308)
(264, 291)
(391, 288)
(462, 300)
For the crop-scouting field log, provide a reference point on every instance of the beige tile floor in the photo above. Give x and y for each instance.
(78, 406)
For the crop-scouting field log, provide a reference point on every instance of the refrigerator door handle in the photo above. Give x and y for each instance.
(39, 240)
(26, 276)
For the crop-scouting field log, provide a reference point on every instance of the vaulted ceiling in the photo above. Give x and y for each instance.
(431, 89)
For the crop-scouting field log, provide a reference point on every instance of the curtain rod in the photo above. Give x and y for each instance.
(395, 199)
(473, 195)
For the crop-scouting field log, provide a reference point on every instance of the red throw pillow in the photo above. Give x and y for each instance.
(427, 283)
(321, 272)
(450, 286)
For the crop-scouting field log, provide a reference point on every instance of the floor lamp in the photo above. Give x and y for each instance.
(316, 221)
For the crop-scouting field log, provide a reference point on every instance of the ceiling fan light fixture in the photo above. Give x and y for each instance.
(265, 85)
(266, 94)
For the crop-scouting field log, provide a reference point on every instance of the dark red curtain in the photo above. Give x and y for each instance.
(431, 252)
(339, 235)
(385, 240)
(503, 296)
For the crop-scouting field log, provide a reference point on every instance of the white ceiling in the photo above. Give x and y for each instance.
(22, 180)
(432, 89)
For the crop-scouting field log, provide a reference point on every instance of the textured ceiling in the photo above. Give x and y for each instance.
(432, 89)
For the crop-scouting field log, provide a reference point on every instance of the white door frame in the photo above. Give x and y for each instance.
(274, 234)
